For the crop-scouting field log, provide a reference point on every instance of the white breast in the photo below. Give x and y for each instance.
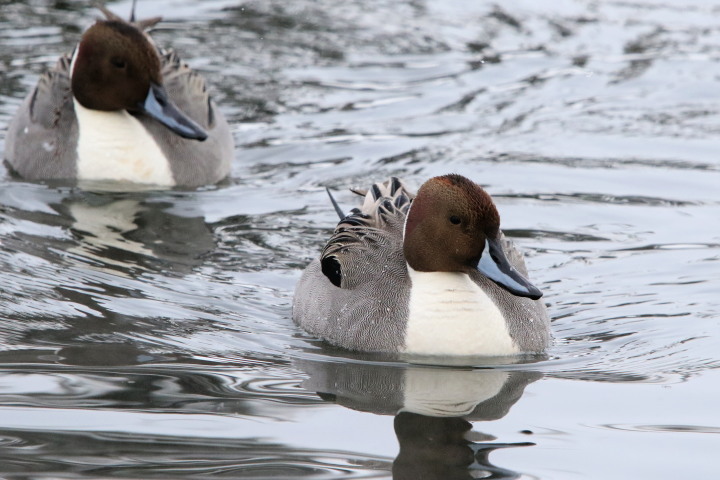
(115, 146)
(450, 315)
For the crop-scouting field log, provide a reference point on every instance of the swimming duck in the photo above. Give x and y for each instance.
(120, 108)
(426, 274)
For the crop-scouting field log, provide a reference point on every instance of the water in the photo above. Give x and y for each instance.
(148, 334)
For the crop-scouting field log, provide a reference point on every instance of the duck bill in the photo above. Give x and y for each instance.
(158, 106)
(495, 265)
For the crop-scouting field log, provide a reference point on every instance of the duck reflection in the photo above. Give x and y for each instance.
(433, 407)
(128, 230)
(105, 229)
(95, 266)
(437, 448)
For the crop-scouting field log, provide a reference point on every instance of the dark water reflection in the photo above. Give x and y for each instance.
(433, 408)
(147, 334)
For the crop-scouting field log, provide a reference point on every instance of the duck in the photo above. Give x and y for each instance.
(425, 274)
(121, 109)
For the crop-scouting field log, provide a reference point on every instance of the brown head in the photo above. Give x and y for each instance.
(114, 67)
(453, 226)
(447, 225)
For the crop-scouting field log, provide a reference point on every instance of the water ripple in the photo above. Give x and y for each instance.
(667, 428)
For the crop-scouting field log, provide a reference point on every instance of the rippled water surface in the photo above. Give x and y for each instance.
(148, 334)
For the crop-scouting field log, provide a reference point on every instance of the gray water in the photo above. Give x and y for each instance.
(148, 334)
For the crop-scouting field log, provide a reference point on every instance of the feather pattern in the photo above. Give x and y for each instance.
(356, 295)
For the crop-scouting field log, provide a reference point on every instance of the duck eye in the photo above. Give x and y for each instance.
(118, 62)
(455, 220)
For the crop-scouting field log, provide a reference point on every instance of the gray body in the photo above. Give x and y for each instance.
(41, 142)
(369, 311)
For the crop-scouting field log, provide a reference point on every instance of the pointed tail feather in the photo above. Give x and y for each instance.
(339, 210)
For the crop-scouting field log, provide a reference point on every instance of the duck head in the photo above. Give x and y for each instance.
(116, 67)
(453, 226)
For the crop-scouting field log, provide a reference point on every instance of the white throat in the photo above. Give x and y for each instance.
(449, 314)
(115, 146)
